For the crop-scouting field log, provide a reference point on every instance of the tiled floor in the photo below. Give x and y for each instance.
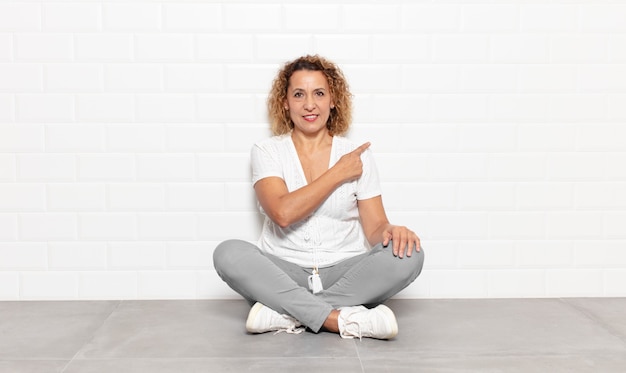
(495, 335)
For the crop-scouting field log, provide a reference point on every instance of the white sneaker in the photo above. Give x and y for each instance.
(263, 319)
(358, 321)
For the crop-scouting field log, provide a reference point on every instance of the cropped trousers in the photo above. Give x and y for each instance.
(366, 279)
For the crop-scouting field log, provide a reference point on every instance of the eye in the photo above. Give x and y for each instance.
(298, 94)
(319, 93)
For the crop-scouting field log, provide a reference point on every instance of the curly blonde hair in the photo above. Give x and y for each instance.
(340, 117)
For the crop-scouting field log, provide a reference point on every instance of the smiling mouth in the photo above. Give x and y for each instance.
(310, 118)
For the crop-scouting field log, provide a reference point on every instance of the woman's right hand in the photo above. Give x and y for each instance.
(350, 166)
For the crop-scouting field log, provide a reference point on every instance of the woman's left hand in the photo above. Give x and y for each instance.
(403, 239)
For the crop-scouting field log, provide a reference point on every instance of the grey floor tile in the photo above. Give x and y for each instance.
(216, 365)
(49, 330)
(509, 364)
(610, 312)
(32, 366)
(441, 328)
(200, 329)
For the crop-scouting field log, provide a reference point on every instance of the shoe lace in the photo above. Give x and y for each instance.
(296, 328)
(346, 323)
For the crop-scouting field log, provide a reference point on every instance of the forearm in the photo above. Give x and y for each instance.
(378, 235)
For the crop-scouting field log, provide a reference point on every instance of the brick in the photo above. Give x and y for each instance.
(194, 78)
(9, 285)
(524, 108)
(22, 138)
(327, 17)
(240, 137)
(249, 78)
(602, 78)
(47, 227)
(393, 167)
(540, 196)
(373, 78)
(72, 78)
(136, 138)
(395, 104)
(48, 286)
(574, 282)
(109, 167)
(167, 226)
(550, 18)
(508, 283)
(460, 48)
(49, 108)
(419, 196)
(520, 48)
(485, 196)
(225, 108)
(486, 254)
(72, 17)
(108, 285)
(103, 47)
(252, 18)
(459, 107)
(192, 17)
(22, 197)
(574, 225)
(74, 138)
(600, 196)
(517, 225)
(576, 166)
(77, 256)
(614, 167)
(238, 197)
(7, 167)
(133, 78)
(166, 167)
(487, 138)
(108, 108)
(458, 283)
(21, 78)
(132, 16)
(190, 255)
(579, 48)
(490, 18)
(7, 108)
(281, 48)
(430, 78)
(225, 47)
(225, 167)
(8, 227)
(6, 47)
(429, 137)
(603, 18)
(617, 52)
(46, 167)
(343, 48)
(136, 197)
(44, 47)
(136, 255)
(548, 78)
(488, 79)
(516, 167)
(16, 16)
(431, 17)
(614, 223)
(198, 197)
(366, 17)
(241, 225)
(578, 107)
(107, 226)
(165, 108)
(164, 47)
(544, 254)
(603, 254)
(457, 225)
(457, 167)
(614, 282)
(76, 197)
(167, 285)
(617, 107)
(402, 48)
(23, 256)
(211, 286)
(601, 137)
(441, 254)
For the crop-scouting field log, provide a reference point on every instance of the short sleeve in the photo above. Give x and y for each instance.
(368, 185)
(264, 162)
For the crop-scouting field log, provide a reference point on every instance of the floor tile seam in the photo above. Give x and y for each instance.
(425, 356)
(604, 325)
(93, 335)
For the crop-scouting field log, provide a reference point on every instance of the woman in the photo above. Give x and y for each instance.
(327, 249)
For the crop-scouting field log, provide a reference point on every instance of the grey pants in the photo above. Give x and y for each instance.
(366, 279)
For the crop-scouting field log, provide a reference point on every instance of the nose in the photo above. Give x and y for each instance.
(309, 103)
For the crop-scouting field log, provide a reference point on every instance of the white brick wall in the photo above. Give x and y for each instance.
(125, 128)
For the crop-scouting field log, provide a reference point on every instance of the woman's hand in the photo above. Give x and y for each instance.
(404, 240)
(350, 166)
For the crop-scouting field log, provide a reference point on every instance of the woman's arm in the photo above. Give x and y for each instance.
(286, 208)
(378, 229)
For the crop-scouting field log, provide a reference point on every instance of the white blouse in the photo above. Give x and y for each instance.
(333, 232)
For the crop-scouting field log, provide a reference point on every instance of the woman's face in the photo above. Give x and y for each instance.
(308, 101)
